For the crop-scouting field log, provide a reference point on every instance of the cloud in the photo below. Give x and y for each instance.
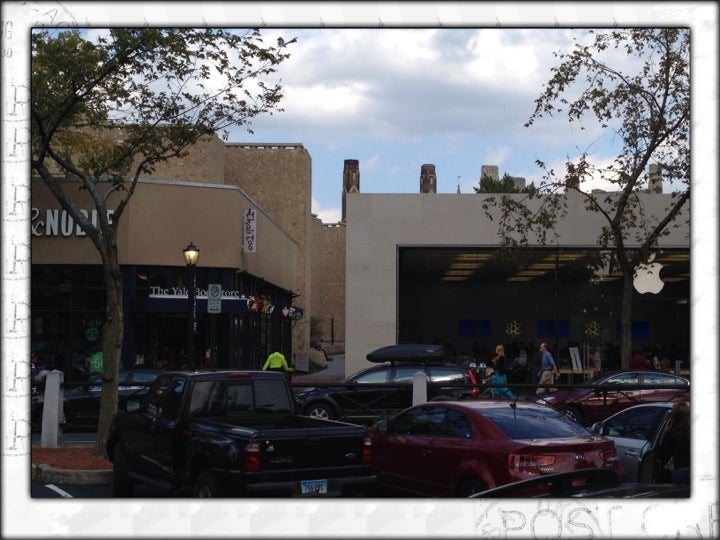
(326, 215)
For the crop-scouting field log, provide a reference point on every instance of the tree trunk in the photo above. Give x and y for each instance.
(113, 330)
(626, 317)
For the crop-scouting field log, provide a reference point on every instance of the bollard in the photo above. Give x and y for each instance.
(52, 410)
(419, 388)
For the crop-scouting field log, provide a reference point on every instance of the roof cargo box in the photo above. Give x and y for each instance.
(408, 352)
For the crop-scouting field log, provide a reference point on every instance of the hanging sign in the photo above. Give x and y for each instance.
(249, 224)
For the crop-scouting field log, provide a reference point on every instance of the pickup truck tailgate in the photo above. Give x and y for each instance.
(320, 446)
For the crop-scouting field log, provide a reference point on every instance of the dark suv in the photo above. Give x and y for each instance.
(387, 388)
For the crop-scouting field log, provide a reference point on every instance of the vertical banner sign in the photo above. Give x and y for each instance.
(214, 297)
(249, 230)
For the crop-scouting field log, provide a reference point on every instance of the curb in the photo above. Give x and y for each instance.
(47, 474)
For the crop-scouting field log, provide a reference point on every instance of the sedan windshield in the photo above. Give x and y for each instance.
(534, 423)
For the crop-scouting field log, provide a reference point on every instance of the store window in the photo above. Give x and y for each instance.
(67, 314)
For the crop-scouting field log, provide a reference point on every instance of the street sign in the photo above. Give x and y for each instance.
(214, 297)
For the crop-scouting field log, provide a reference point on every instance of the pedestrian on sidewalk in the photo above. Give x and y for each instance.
(276, 362)
(548, 369)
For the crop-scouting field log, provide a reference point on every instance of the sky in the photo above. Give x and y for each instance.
(398, 98)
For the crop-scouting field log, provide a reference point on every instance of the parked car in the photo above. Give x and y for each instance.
(457, 448)
(615, 391)
(637, 432)
(387, 388)
(584, 483)
(81, 403)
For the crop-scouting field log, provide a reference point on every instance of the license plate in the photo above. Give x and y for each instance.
(313, 486)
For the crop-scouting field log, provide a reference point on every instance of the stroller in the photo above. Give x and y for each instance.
(498, 392)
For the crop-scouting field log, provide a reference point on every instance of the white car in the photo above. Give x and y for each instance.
(637, 432)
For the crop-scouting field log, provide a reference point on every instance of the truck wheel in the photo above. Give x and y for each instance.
(318, 410)
(206, 486)
(122, 485)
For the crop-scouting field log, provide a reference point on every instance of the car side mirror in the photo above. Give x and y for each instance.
(381, 426)
(597, 427)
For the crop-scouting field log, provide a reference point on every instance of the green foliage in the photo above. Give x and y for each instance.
(104, 112)
(164, 87)
(505, 185)
(635, 85)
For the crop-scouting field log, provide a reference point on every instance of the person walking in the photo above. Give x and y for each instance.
(499, 375)
(276, 362)
(548, 369)
(674, 451)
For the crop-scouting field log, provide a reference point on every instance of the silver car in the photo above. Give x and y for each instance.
(637, 432)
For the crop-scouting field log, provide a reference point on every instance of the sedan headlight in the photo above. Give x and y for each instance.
(546, 400)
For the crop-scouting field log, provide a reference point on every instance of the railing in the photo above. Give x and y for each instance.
(484, 391)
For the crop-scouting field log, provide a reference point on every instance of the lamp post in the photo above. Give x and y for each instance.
(191, 254)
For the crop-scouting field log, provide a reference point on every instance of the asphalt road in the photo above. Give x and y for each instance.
(40, 490)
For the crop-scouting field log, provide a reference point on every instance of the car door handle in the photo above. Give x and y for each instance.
(426, 453)
(631, 453)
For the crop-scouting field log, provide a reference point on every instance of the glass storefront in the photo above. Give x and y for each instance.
(67, 314)
(471, 299)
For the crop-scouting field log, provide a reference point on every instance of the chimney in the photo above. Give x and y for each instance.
(351, 180)
(655, 179)
(428, 179)
(491, 171)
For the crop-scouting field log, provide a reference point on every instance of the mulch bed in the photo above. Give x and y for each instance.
(72, 458)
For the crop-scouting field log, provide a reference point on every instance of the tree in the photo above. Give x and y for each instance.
(645, 104)
(505, 185)
(104, 113)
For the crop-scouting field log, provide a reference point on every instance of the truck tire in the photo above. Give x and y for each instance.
(205, 486)
(320, 410)
(122, 484)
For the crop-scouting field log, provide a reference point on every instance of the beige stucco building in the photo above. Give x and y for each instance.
(423, 268)
(247, 209)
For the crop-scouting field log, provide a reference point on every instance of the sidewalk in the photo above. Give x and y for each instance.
(335, 372)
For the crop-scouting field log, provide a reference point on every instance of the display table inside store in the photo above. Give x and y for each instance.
(571, 376)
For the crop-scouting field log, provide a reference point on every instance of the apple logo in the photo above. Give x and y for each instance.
(647, 277)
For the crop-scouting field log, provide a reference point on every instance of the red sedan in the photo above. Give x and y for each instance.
(457, 448)
(614, 391)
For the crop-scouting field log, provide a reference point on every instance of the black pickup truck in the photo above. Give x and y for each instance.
(235, 433)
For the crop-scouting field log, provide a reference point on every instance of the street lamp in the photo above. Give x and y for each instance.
(191, 254)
